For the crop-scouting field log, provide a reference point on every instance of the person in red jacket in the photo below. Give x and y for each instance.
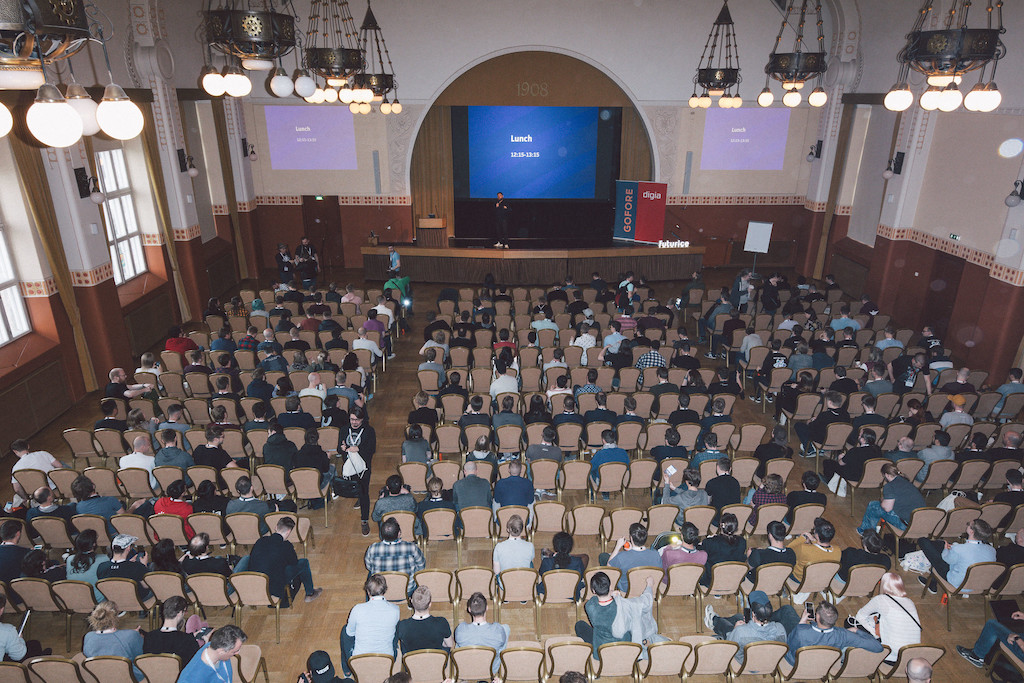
(178, 341)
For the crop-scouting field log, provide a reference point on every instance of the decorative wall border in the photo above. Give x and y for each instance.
(91, 278)
(38, 288)
(152, 239)
(186, 234)
(220, 210)
(997, 271)
(737, 200)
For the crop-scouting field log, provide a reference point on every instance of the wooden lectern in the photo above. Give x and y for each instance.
(432, 232)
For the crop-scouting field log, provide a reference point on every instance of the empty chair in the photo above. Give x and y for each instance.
(159, 668)
(709, 657)
(859, 663)
(667, 658)
(614, 660)
(980, 579)
(253, 590)
(759, 658)
(681, 581)
(371, 668)
(811, 662)
(109, 669)
(426, 666)
(472, 663)
(566, 653)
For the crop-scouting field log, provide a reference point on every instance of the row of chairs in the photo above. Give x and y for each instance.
(157, 668)
(233, 530)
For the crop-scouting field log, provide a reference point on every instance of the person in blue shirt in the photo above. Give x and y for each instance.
(629, 553)
(515, 489)
(394, 262)
(951, 562)
(1013, 385)
(820, 629)
(710, 452)
(212, 664)
(609, 452)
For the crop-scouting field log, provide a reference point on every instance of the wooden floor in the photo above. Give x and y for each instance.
(337, 560)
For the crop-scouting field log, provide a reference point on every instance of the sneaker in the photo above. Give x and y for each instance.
(924, 582)
(317, 592)
(365, 529)
(497, 245)
(755, 399)
(710, 355)
(391, 356)
(969, 655)
(709, 616)
(770, 398)
(355, 505)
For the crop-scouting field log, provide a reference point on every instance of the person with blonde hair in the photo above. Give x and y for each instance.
(891, 616)
(105, 638)
(422, 631)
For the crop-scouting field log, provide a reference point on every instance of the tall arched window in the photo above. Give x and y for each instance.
(13, 318)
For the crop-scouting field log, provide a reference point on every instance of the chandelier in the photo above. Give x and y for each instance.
(375, 79)
(252, 33)
(332, 50)
(946, 54)
(718, 70)
(34, 32)
(793, 69)
(34, 35)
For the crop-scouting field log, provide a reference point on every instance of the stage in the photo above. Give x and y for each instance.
(532, 266)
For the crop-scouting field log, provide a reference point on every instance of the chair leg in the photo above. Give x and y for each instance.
(67, 632)
(949, 623)
(277, 620)
(698, 604)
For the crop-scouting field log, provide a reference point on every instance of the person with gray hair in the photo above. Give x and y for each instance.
(213, 661)
(919, 670)
(471, 490)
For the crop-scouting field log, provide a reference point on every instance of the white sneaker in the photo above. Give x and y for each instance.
(497, 245)
(709, 616)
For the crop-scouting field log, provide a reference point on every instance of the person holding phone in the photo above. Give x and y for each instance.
(818, 627)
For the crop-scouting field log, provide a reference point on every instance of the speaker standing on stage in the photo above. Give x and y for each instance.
(307, 265)
(502, 212)
(394, 262)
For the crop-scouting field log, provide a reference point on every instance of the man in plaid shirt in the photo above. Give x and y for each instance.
(249, 341)
(651, 359)
(392, 554)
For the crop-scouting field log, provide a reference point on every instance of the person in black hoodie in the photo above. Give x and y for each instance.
(169, 638)
(850, 465)
(278, 450)
(814, 431)
(312, 455)
(275, 556)
(358, 437)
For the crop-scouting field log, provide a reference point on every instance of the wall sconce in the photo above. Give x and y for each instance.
(1013, 199)
(89, 186)
(186, 164)
(249, 150)
(894, 167)
(815, 152)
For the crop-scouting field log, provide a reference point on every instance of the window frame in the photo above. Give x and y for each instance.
(14, 320)
(121, 220)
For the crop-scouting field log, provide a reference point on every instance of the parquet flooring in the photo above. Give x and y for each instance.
(337, 558)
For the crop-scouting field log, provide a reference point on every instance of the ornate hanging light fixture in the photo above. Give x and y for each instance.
(718, 71)
(256, 33)
(34, 32)
(332, 47)
(946, 54)
(375, 80)
(793, 69)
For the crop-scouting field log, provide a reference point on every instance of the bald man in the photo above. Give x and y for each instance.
(141, 457)
(119, 387)
(919, 670)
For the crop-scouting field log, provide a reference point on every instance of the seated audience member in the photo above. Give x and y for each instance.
(904, 449)
(46, 506)
(471, 490)
(173, 503)
(394, 496)
(507, 415)
(27, 459)
(568, 414)
(481, 632)
(682, 549)
(994, 632)
(213, 662)
(775, 449)
(122, 566)
(820, 629)
(891, 615)
(279, 449)
(869, 418)
(170, 455)
(711, 451)
(814, 546)
(197, 558)
(939, 450)
(723, 489)
(808, 493)
(169, 638)
(435, 499)
(422, 631)
(724, 546)
(313, 456)
(608, 453)
(637, 554)
(35, 565)
(106, 639)
(560, 557)
(514, 552)
(958, 415)
(515, 489)
(717, 416)
(952, 561)
(776, 551)
(423, 414)
(601, 412)
(899, 500)
(772, 490)
(394, 554)
(14, 648)
(1013, 495)
(141, 458)
(294, 416)
(815, 430)
(415, 448)
(208, 499)
(211, 453)
(1010, 450)
(274, 555)
(110, 419)
(870, 552)
(670, 449)
(760, 627)
(683, 414)
(320, 669)
(616, 618)
(91, 503)
(83, 563)
(849, 466)
(547, 449)
(247, 502)
(685, 496)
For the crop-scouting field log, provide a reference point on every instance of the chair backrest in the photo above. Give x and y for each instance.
(981, 577)
(517, 585)
(548, 516)
(441, 583)
(667, 658)
(522, 661)
(585, 520)
(1013, 584)
(923, 522)
(109, 669)
(700, 516)
(560, 586)
(124, 592)
(245, 527)
(862, 580)
(397, 586)
(50, 669)
(682, 579)
(476, 522)
(95, 522)
(766, 514)
(804, 516)
(76, 596)
(471, 580)
(726, 577)
(575, 473)
(426, 666)
(814, 661)
(439, 524)
(771, 577)
(166, 585)
(252, 589)
(617, 522)
(54, 532)
(931, 653)
(307, 482)
(818, 576)
(210, 589)
(743, 469)
(211, 523)
(956, 522)
(762, 657)
(859, 663)
(37, 594)
(567, 653)
(710, 657)
(371, 668)
(660, 518)
(472, 663)
(406, 523)
(616, 659)
(169, 526)
(638, 576)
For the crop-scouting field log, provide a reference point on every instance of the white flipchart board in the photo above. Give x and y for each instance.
(758, 237)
